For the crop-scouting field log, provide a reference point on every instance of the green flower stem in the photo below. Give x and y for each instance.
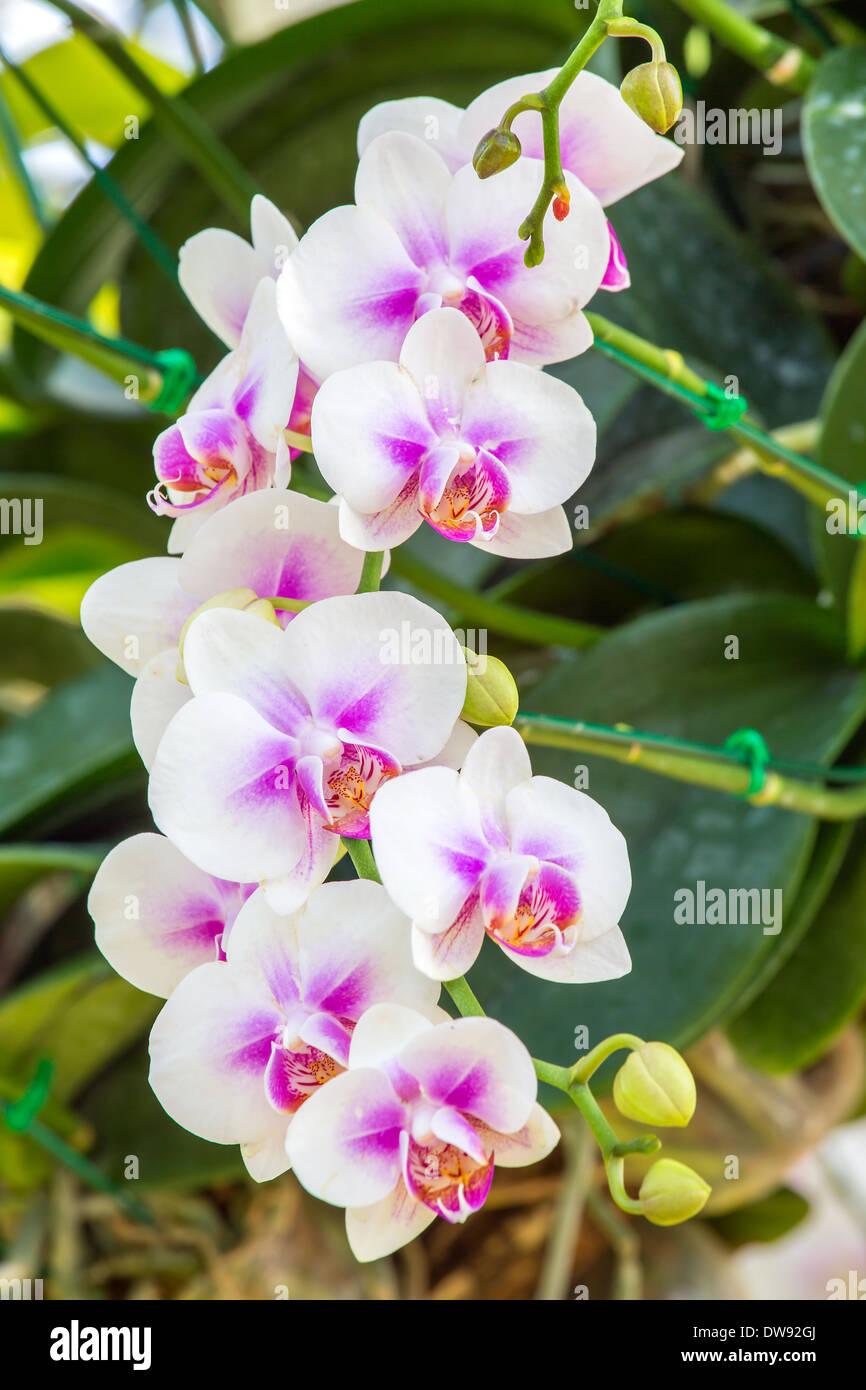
(183, 126)
(361, 855)
(510, 620)
(583, 1070)
(663, 365)
(686, 762)
(804, 435)
(608, 1142)
(783, 63)
(547, 103)
(371, 573)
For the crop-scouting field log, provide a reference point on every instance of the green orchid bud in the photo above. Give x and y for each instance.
(494, 152)
(247, 600)
(672, 1192)
(654, 92)
(491, 694)
(655, 1087)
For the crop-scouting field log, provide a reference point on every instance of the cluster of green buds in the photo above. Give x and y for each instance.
(655, 1086)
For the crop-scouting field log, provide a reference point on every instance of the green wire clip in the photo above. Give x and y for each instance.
(179, 375)
(724, 411)
(756, 755)
(21, 1113)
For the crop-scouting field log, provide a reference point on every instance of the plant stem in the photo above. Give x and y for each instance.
(688, 763)
(523, 624)
(783, 63)
(180, 122)
(745, 461)
(583, 1070)
(371, 573)
(361, 855)
(666, 369)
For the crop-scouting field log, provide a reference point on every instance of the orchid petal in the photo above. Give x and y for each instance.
(209, 1048)
(405, 181)
(429, 844)
(385, 1226)
(344, 1141)
(348, 293)
(156, 698)
(428, 118)
(135, 611)
(557, 823)
(476, 1065)
(156, 915)
(532, 537)
(229, 803)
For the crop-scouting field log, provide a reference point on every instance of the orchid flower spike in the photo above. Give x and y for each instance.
(290, 733)
(244, 1042)
(420, 237)
(157, 916)
(412, 1130)
(603, 143)
(230, 441)
(529, 861)
(269, 544)
(484, 452)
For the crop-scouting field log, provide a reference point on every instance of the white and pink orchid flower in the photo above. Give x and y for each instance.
(420, 237)
(157, 916)
(230, 441)
(484, 452)
(274, 544)
(290, 733)
(528, 861)
(219, 272)
(603, 142)
(412, 1130)
(242, 1044)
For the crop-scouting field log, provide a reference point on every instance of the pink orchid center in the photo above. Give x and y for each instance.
(487, 314)
(544, 920)
(218, 461)
(446, 1179)
(351, 780)
(470, 503)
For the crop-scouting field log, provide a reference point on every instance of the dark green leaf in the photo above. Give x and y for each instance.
(834, 140)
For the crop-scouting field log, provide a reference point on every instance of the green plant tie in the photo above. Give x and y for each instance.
(179, 375)
(756, 754)
(21, 1113)
(724, 411)
(21, 1116)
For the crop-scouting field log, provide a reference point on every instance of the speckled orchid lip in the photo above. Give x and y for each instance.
(445, 1178)
(542, 920)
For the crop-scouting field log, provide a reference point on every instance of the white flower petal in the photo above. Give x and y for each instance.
(136, 610)
(156, 915)
(603, 957)
(555, 822)
(476, 1065)
(219, 790)
(537, 427)
(279, 544)
(209, 1048)
(387, 1225)
(382, 667)
(428, 118)
(428, 842)
(538, 1137)
(535, 537)
(496, 762)
(344, 1141)
(156, 698)
(405, 181)
(381, 1033)
(265, 1157)
(370, 433)
(347, 293)
(218, 272)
